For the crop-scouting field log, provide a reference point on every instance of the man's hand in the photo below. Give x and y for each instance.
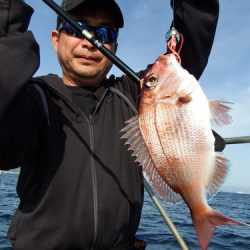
(19, 16)
(220, 143)
(4, 11)
(14, 16)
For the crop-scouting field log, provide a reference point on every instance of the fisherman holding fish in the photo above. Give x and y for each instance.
(79, 187)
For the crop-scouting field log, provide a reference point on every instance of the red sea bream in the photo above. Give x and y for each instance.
(172, 139)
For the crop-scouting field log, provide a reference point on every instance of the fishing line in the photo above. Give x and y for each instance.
(173, 12)
(174, 38)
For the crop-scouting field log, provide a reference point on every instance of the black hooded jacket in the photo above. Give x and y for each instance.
(79, 187)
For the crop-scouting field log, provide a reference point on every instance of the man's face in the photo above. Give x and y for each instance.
(82, 64)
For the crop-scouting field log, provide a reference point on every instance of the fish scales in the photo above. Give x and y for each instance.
(182, 144)
(173, 149)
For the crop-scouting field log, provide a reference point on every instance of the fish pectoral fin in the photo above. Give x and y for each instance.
(219, 112)
(134, 138)
(220, 171)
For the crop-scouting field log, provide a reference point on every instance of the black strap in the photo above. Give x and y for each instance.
(125, 99)
(44, 101)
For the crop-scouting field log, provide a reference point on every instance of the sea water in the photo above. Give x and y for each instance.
(152, 227)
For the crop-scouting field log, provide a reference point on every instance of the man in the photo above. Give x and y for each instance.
(79, 187)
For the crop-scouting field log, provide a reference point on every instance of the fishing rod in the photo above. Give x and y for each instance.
(91, 38)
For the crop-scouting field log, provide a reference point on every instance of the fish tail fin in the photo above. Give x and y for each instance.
(205, 226)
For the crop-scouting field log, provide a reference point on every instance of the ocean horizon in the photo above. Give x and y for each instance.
(224, 188)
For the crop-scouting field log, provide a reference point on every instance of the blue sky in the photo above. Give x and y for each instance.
(141, 41)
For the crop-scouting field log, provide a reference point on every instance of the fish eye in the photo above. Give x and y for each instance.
(151, 82)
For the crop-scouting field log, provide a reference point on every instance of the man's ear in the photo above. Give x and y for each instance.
(55, 38)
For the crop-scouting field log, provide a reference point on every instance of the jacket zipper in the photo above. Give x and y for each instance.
(93, 169)
(93, 172)
(94, 183)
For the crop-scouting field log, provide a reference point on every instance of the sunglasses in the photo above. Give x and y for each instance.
(103, 34)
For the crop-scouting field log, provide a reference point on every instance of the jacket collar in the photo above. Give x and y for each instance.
(56, 85)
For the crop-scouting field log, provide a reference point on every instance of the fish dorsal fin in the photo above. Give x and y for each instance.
(132, 133)
(219, 112)
(220, 172)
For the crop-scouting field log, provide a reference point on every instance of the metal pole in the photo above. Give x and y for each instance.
(236, 140)
(111, 56)
(165, 216)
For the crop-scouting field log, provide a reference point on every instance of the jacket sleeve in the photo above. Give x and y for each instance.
(19, 59)
(196, 20)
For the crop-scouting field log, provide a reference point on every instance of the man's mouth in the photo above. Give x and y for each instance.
(88, 58)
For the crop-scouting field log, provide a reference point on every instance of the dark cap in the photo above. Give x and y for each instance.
(111, 5)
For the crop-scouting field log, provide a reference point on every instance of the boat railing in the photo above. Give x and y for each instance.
(237, 140)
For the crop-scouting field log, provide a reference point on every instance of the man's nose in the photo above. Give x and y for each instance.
(86, 44)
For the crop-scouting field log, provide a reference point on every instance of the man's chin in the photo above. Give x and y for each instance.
(84, 79)
(86, 72)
